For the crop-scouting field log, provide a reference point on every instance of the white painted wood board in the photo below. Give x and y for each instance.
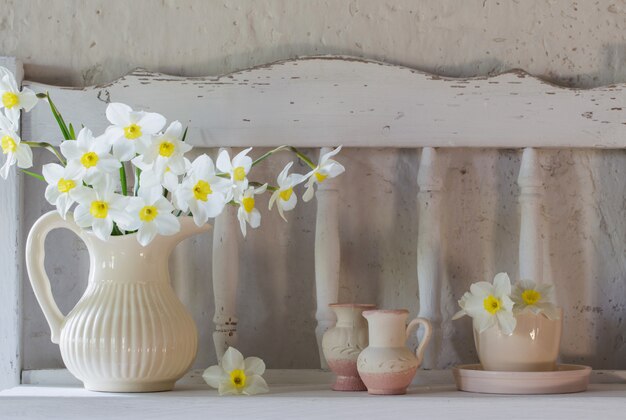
(329, 100)
(11, 252)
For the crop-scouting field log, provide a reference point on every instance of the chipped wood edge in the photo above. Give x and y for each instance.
(366, 107)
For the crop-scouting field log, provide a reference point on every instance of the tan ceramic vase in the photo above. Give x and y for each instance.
(533, 346)
(343, 343)
(387, 366)
(129, 332)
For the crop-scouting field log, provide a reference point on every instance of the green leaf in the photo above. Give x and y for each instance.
(72, 133)
(34, 175)
(185, 134)
(57, 116)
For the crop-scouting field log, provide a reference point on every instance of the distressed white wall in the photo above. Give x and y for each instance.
(579, 44)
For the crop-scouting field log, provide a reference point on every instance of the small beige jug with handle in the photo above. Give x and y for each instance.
(387, 366)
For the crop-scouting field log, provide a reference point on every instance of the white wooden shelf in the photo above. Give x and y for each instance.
(304, 394)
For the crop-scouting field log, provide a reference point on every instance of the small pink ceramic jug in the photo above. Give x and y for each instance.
(343, 343)
(387, 366)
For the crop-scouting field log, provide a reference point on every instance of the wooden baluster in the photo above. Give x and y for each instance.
(225, 279)
(327, 257)
(530, 241)
(429, 252)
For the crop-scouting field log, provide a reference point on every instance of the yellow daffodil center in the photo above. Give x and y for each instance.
(8, 145)
(492, 304)
(239, 173)
(132, 132)
(201, 190)
(320, 177)
(166, 148)
(99, 209)
(65, 185)
(148, 213)
(238, 378)
(10, 99)
(89, 159)
(530, 296)
(286, 194)
(248, 204)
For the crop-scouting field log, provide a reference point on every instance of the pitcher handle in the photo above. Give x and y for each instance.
(428, 329)
(35, 256)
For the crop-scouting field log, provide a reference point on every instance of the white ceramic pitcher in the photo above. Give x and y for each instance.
(387, 366)
(129, 332)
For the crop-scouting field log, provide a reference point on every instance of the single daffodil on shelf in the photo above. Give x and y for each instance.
(536, 298)
(247, 212)
(89, 156)
(326, 169)
(489, 305)
(12, 99)
(132, 131)
(236, 375)
(284, 196)
(16, 151)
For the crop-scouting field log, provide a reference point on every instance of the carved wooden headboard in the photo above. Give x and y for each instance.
(320, 102)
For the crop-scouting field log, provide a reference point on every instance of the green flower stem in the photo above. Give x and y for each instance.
(268, 154)
(258, 184)
(34, 175)
(123, 180)
(48, 147)
(303, 157)
(297, 152)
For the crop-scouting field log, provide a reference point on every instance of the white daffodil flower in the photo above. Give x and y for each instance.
(13, 148)
(284, 197)
(167, 150)
(151, 214)
(89, 156)
(247, 212)
(163, 176)
(99, 207)
(236, 376)
(202, 191)
(61, 182)
(131, 131)
(327, 168)
(536, 298)
(12, 99)
(238, 168)
(489, 304)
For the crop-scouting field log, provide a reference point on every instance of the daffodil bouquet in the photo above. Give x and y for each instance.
(498, 303)
(91, 173)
